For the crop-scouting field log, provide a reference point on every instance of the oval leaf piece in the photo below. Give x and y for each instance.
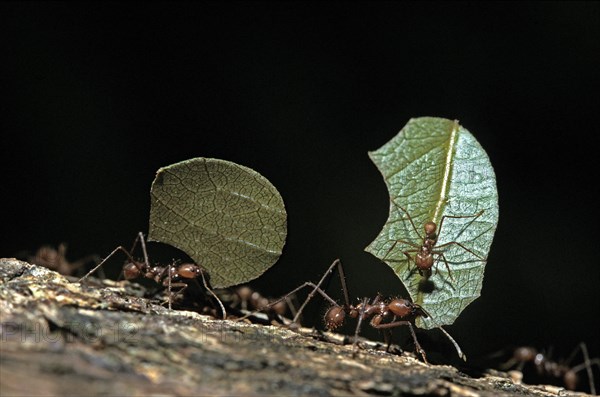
(228, 218)
(436, 171)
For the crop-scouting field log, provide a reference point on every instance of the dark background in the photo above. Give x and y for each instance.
(96, 97)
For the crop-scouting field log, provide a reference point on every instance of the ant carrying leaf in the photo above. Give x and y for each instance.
(384, 314)
(440, 177)
(225, 216)
(170, 276)
(423, 254)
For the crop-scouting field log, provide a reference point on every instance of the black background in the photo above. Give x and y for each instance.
(96, 97)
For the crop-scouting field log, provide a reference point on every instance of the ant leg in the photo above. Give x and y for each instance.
(316, 288)
(387, 337)
(119, 248)
(450, 338)
(456, 346)
(404, 242)
(587, 364)
(180, 291)
(213, 294)
(406, 253)
(361, 316)
(439, 233)
(170, 278)
(461, 246)
(409, 218)
(139, 237)
(394, 324)
(89, 258)
(144, 252)
(342, 280)
(286, 296)
(474, 216)
(441, 254)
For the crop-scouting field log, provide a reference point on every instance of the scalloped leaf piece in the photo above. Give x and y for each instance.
(435, 168)
(228, 218)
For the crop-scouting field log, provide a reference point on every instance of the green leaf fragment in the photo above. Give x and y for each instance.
(434, 168)
(228, 218)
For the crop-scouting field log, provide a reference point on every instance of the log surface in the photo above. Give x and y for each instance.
(62, 338)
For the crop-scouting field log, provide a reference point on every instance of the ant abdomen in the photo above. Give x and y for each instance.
(334, 317)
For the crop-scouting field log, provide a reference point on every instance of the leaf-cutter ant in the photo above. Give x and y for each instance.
(423, 253)
(399, 311)
(55, 259)
(546, 367)
(171, 276)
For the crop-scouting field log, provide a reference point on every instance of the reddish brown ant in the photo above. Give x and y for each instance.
(423, 254)
(560, 370)
(168, 276)
(55, 259)
(250, 299)
(399, 311)
(247, 302)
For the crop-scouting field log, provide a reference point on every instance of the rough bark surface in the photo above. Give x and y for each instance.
(62, 338)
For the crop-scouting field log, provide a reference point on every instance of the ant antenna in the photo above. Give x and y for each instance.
(213, 294)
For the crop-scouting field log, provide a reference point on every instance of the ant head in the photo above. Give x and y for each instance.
(401, 307)
(131, 271)
(188, 270)
(334, 317)
(430, 228)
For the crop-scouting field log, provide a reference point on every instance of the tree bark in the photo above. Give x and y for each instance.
(62, 338)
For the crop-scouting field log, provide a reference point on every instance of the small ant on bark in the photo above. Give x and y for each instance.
(399, 311)
(55, 259)
(245, 301)
(561, 370)
(250, 299)
(423, 254)
(168, 276)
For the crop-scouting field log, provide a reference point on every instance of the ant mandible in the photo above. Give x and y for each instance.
(168, 276)
(423, 258)
(401, 311)
(547, 367)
